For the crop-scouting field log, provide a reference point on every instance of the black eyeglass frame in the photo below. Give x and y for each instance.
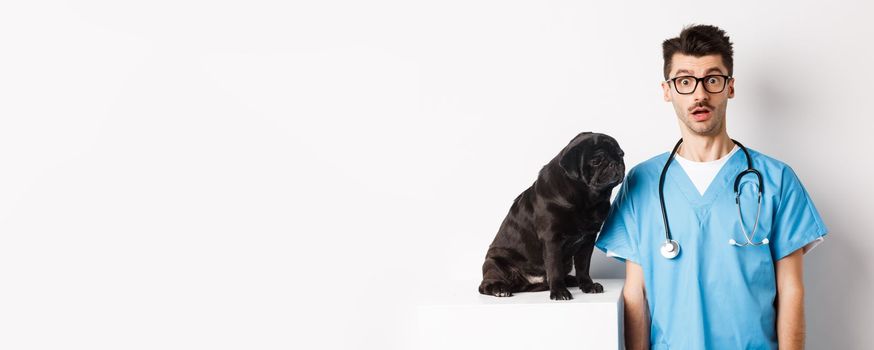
(725, 79)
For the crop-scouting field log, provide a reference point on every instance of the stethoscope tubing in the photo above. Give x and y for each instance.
(671, 248)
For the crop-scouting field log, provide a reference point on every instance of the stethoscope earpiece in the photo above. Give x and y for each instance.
(735, 243)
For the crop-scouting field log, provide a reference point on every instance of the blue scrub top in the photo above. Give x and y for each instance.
(713, 295)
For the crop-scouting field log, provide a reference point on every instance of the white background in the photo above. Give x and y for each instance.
(266, 175)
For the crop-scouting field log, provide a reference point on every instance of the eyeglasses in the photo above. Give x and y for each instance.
(712, 83)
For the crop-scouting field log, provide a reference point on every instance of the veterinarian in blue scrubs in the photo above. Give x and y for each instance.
(712, 294)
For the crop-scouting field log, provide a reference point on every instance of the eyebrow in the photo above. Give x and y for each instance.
(713, 69)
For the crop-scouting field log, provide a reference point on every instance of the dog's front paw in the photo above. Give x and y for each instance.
(593, 287)
(560, 294)
(502, 291)
(495, 288)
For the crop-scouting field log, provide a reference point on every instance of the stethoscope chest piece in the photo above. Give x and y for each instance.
(670, 249)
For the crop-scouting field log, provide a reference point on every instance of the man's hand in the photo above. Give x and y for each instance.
(790, 301)
(636, 308)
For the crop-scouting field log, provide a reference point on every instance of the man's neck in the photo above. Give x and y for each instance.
(699, 148)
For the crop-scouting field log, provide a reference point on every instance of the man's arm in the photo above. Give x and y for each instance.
(790, 301)
(636, 309)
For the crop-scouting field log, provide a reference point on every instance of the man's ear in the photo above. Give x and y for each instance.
(731, 88)
(666, 89)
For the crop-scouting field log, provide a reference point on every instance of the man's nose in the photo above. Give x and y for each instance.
(700, 93)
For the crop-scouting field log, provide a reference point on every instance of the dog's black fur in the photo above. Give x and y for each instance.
(553, 223)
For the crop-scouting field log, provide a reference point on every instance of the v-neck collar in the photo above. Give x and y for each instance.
(724, 178)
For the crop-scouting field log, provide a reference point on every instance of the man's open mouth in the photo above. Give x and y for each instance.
(701, 114)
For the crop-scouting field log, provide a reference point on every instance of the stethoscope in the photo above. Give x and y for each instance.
(671, 248)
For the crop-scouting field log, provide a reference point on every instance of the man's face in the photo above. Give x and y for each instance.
(702, 112)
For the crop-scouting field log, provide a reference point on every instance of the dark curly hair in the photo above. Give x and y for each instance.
(699, 40)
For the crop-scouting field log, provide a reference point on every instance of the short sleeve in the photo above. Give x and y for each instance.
(797, 224)
(618, 236)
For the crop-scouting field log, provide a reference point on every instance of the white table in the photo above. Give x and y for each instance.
(458, 317)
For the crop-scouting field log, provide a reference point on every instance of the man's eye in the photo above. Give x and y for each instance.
(712, 81)
(684, 81)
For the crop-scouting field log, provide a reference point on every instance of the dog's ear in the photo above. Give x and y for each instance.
(571, 157)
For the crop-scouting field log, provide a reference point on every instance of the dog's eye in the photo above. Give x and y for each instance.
(596, 161)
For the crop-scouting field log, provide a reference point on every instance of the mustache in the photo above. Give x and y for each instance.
(701, 104)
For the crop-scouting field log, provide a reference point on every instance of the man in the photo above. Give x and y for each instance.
(734, 280)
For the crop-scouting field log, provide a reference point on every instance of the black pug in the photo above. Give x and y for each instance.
(556, 220)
